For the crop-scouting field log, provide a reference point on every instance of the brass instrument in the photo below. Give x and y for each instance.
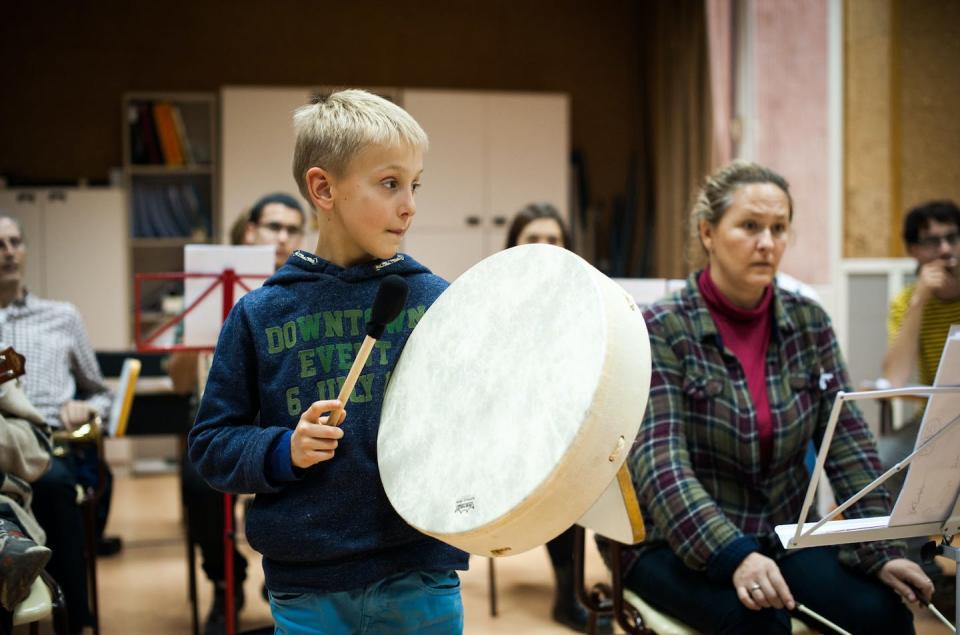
(90, 432)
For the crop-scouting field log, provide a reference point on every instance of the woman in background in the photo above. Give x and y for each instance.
(538, 223)
(541, 223)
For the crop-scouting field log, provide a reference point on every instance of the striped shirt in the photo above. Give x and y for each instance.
(934, 327)
(60, 362)
(696, 461)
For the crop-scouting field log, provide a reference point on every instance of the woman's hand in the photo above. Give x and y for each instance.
(760, 585)
(906, 578)
(314, 440)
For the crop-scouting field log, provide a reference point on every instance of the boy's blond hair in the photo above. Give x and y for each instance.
(333, 129)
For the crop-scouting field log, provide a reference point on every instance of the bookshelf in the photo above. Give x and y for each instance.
(170, 159)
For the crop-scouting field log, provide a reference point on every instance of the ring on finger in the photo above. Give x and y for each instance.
(755, 587)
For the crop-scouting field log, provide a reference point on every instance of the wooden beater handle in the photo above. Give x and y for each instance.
(347, 390)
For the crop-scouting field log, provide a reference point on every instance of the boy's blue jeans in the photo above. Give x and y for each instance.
(425, 602)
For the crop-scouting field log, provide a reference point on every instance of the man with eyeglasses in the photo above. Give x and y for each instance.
(276, 219)
(917, 327)
(921, 315)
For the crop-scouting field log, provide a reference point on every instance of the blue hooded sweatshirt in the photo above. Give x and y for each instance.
(329, 527)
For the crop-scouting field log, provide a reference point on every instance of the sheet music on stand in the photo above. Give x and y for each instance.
(201, 327)
(929, 501)
(933, 480)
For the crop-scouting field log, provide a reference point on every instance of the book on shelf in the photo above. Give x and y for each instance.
(167, 131)
(138, 148)
(144, 145)
(160, 133)
(186, 146)
(170, 210)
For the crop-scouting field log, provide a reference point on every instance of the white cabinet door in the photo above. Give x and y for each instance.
(448, 233)
(446, 252)
(258, 142)
(86, 260)
(452, 196)
(77, 253)
(528, 153)
(490, 155)
(27, 207)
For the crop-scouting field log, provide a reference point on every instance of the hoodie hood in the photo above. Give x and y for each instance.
(303, 266)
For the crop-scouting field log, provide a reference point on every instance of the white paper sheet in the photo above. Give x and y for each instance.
(201, 327)
(933, 478)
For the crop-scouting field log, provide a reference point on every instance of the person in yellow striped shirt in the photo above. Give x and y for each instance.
(920, 316)
(919, 320)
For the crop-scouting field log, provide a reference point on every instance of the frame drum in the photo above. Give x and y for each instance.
(515, 402)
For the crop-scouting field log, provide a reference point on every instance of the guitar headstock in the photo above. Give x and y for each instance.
(11, 364)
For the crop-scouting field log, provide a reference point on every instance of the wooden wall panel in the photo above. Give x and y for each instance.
(60, 116)
(902, 134)
(868, 144)
(929, 94)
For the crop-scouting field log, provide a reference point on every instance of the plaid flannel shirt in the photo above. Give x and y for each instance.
(696, 461)
(60, 362)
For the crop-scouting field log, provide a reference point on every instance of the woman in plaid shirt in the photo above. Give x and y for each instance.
(744, 376)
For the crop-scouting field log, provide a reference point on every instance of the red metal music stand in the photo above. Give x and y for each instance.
(145, 344)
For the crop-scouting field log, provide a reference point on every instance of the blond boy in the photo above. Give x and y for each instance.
(337, 558)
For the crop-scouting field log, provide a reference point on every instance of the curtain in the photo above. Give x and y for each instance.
(720, 52)
(677, 147)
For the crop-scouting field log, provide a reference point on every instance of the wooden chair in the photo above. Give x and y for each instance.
(91, 435)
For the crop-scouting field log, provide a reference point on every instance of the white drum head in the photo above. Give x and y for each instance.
(488, 401)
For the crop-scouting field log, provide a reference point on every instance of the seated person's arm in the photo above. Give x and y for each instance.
(904, 322)
(23, 452)
(182, 369)
(93, 396)
(903, 327)
(24, 435)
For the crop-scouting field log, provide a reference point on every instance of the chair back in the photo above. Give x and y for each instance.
(123, 399)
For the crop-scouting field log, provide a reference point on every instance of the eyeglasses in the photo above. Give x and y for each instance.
(276, 228)
(933, 242)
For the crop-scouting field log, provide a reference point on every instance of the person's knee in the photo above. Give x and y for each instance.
(58, 483)
(880, 613)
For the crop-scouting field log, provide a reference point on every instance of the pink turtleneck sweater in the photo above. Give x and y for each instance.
(746, 333)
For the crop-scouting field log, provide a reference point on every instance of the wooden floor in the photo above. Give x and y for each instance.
(143, 590)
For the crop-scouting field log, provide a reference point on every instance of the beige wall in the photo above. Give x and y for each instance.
(791, 106)
(902, 132)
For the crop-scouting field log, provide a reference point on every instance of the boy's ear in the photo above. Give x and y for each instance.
(320, 188)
